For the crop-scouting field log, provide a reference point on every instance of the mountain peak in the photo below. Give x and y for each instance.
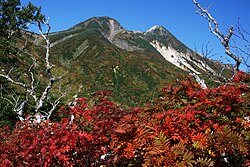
(102, 19)
(156, 27)
(109, 27)
(153, 28)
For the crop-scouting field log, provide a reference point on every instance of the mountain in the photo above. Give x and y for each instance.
(100, 54)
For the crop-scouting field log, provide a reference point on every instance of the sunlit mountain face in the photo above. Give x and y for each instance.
(99, 54)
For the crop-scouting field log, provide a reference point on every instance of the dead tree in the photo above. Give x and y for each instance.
(224, 39)
(30, 85)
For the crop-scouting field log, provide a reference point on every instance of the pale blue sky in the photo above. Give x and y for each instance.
(178, 16)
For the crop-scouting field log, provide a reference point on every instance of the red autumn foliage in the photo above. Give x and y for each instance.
(186, 126)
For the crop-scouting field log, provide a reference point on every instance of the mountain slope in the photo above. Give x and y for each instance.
(99, 54)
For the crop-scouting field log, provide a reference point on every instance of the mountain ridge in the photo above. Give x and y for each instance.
(156, 39)
(100, 54)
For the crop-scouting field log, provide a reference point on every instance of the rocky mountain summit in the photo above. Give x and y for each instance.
(100, 54)
(156, 40)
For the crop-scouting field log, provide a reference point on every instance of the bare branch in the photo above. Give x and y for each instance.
(243, 48)
(8, 78)
(241, 32)
(56, 103)
(214, 28)
(17, 106)
(214, 76)
(33, 81)
(42, 99)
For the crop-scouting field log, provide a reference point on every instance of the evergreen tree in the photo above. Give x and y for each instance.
(13, 19)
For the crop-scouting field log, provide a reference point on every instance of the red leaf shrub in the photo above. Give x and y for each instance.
(186, 126)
